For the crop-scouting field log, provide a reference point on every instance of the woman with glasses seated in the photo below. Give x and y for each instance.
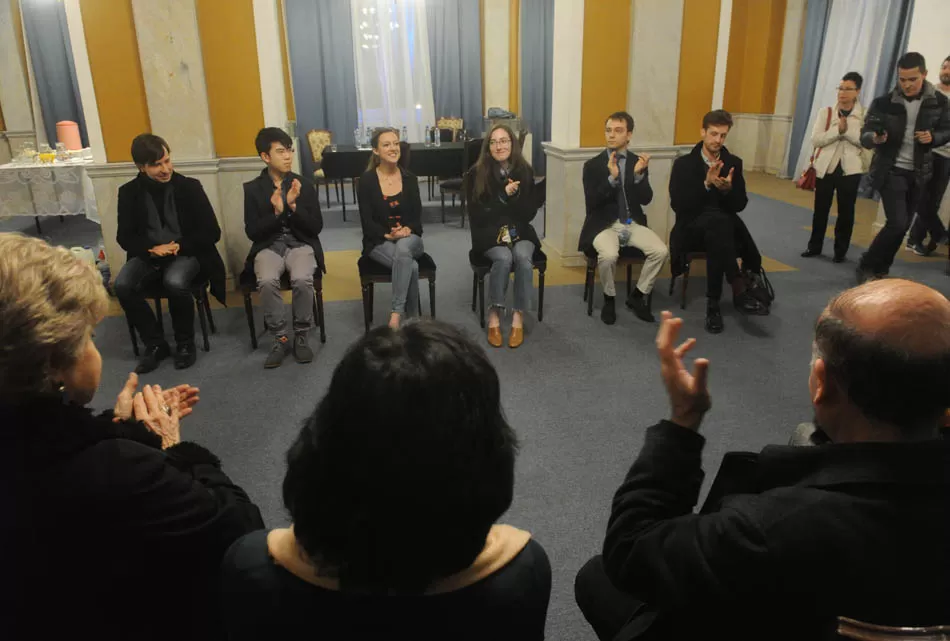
(394, 499)
(391, 216)
(499, 189)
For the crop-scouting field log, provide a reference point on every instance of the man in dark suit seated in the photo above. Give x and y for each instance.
(707, 192)
(167, 227)
(616, 188)
(282, 217)
(793, 537)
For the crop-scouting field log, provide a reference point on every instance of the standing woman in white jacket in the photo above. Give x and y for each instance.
(838, 166)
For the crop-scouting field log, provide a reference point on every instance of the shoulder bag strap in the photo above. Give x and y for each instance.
(817, 150)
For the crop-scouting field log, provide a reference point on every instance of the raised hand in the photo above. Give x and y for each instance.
(187, 398)
(293, 192)
(612, 166)
(725, 184)
(277, 201)
(712, 173)
(689, 395)
(842, 124)
(643, 160)
(512, 187)
(123, 402)
(162, 418)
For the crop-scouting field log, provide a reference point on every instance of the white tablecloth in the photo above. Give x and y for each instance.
(61, 189)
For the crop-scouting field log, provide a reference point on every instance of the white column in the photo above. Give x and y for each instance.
(495, 56)
(566, 84)
(722, 54)
(14, 92)
(87, 92)
(173, 72)
(267, 29)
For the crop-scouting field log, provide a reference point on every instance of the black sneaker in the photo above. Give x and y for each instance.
(920, 250)
(839, 258)
(808, 253)
(640, 304)
(746, 303)
(609, 313)
(277, 353)
(714, 319)
(154, 354)
(302, 351)
(185, 356)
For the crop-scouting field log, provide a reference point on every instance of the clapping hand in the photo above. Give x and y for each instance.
(277, 200)
(186, 397)
(712, 173)
(642, 161)
(293, 192)
(724, 184)
(689, 395)
(612, 166)
(842, 123)
(512, 187)
(162, 418)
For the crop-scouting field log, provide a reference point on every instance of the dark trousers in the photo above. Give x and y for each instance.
(608, 610)
(175, 274)
(825, 188)
(899, 196)
(724, 238)
(927, 220)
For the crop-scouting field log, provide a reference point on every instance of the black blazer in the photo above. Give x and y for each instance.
(199, 227)
(103, 530)
(601, 197)
(374, 213)
(689, 196)
(490, 213)
(807, 534)
(263, 227)
(888, 112)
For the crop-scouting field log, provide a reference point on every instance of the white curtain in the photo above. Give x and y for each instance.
(393, 79)
(853, 42)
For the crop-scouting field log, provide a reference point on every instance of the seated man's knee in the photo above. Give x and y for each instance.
(301, 281)
(124, 288)
(503, 259)
(268, 284)
(176, 285)
(607, 257)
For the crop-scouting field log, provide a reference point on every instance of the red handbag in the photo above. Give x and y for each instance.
(809, 177)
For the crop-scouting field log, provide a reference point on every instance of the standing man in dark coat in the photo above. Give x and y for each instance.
(168, 229)
(707, 192)
(793, 537)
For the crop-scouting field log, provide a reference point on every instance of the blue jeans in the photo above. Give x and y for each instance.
(400, 256)
(502, 258)
(176, 275)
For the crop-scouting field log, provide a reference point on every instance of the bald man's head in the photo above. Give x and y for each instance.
(887, 345)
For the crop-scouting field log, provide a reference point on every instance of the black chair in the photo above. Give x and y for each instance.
(863, 631)
(453, 185)
(629, 256)
(199, 290)
(372, 272)
(249, 286)
(687, 262)
(481, 267)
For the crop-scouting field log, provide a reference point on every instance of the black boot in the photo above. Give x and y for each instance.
(640, 304)
(185, 355)
(609, 313)
(154, 354)
(713, 317)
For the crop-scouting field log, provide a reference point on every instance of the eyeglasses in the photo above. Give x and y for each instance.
(500, 142)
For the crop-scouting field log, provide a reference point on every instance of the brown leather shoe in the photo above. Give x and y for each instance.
(494, 336)
(516, 338)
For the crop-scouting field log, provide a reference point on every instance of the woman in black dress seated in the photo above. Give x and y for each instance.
(113, 528)
(499, 189)
(391, 216)
(394, 485)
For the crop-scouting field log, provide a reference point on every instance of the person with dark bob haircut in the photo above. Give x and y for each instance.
(394, 485)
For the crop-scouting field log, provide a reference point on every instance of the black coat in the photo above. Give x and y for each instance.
(689, 196)
(106, 536)
(600, 197)
(262, 226)
(796, 537)
(490, 213)
(374, 212)
(888, 111)
(199, 227)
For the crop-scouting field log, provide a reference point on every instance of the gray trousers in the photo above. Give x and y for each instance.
(269, 266)
(501, 258)
(400, 256)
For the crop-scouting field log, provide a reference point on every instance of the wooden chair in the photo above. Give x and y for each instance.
(861, 631)
(690, 257)
(199, 290)
(453, 123)
(249, 286)
(481, 267)
(629, 256)
(319, 139)
(372, 272)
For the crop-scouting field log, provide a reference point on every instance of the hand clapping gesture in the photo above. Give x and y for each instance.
(512, 187)
(643, 160)
(277, 200)
(689, 395)
(293, 193)
(612, 166)
(187, 398)
(724, 184)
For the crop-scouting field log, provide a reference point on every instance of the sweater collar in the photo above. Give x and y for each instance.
(502, 544)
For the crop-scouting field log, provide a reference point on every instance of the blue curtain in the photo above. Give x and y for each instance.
(895, 45)
(537, 74)
(51, 53)
(320, 44)
(455, 56)
(816, 26)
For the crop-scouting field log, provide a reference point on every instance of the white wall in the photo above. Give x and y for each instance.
(928, 33)
(495, 55)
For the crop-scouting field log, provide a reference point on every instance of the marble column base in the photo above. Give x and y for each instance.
(761, 140)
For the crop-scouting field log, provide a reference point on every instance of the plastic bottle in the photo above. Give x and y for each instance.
(437, 134)
(405, 134)
(428, 139)
(356, 138)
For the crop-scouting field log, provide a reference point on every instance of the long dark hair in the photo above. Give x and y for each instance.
(374, 142)
(399, 474)
(484, 172)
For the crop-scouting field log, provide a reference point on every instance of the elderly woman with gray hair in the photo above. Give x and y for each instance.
(112, 526)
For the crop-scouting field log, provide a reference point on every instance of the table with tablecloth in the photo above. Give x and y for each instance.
(59, 189)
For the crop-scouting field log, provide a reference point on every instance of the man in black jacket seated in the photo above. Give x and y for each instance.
(167, 227)
(793, 537)
(707, 192)
(616, 188)
(282, 217)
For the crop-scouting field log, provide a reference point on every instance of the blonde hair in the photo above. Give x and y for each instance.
(49, 300)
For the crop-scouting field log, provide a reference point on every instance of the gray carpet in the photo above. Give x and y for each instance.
(579, 393)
